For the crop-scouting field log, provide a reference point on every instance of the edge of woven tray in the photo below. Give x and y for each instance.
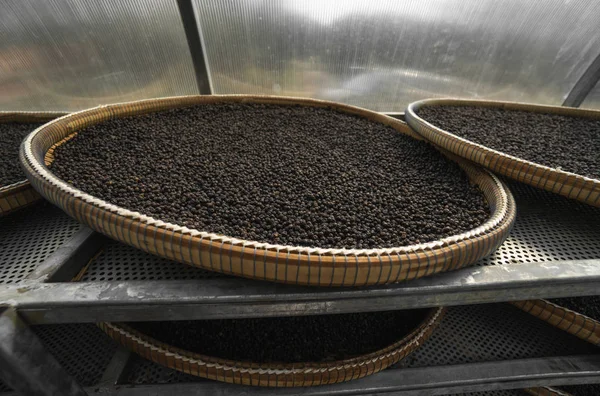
(273, 374)
(546, 391)
(568, 184)
(288, 264)
(20, 194)
(572, 322)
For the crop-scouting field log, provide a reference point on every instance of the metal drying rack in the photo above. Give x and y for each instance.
(49, 344)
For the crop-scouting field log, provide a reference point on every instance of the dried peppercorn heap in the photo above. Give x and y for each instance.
(587, 305)
(563, 142)
(11, 135)
(581, 390)
(282, 174)
(287, 339)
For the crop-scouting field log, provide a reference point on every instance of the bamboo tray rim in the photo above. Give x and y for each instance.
(496, 218)
(546, 391)
(415, 336)
(508, 105)
(10, 187)
(548, 307)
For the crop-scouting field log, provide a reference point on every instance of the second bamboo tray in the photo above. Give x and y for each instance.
(546, 391)
(19, 195)
(572, 322)
(567, 184)
(251, 259)
(273, 374)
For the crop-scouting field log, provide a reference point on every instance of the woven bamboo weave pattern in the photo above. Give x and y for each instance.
(288, 264)
(567, 184)
(574, 323)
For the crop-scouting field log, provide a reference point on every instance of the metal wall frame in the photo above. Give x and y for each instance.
(584, 85)
(193, 37)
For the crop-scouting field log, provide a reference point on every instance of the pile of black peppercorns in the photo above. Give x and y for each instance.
(588, 305)
(11, 135)
(287, 339)
(288, 175)
(582, 390)
(571, 144)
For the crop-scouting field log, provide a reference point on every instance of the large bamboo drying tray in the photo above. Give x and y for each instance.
(20, 194)
(288, 264)
(568, 184)
(572, 322)
(273, 374)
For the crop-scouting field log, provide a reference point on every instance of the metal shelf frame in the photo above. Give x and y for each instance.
(457, 379)
(43, 303)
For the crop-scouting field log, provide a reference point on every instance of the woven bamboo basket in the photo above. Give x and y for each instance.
(574, 323)
(567, 184)
(18, 195)
(287, 264)
(273, 374)
(546, 391)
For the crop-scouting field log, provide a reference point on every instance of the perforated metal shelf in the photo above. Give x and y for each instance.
(493, 332)
(118, 261)
(142, 371)
(83, 350)
(29, 236)
(468, 334)
(548, 228)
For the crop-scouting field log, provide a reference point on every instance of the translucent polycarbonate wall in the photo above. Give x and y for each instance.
(592, 101)
(384, 54)
(69, 55)
(73, 54)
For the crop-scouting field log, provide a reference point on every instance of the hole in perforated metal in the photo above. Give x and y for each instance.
(83, 350)
(548, 228)
(29, 236)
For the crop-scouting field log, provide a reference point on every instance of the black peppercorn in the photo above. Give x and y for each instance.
(290, 175)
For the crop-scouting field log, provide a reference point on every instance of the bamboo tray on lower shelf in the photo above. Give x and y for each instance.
(21, 194)
(546, 391)
(273, 374)
(567, 184)
(572, 322)
(251, 259)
